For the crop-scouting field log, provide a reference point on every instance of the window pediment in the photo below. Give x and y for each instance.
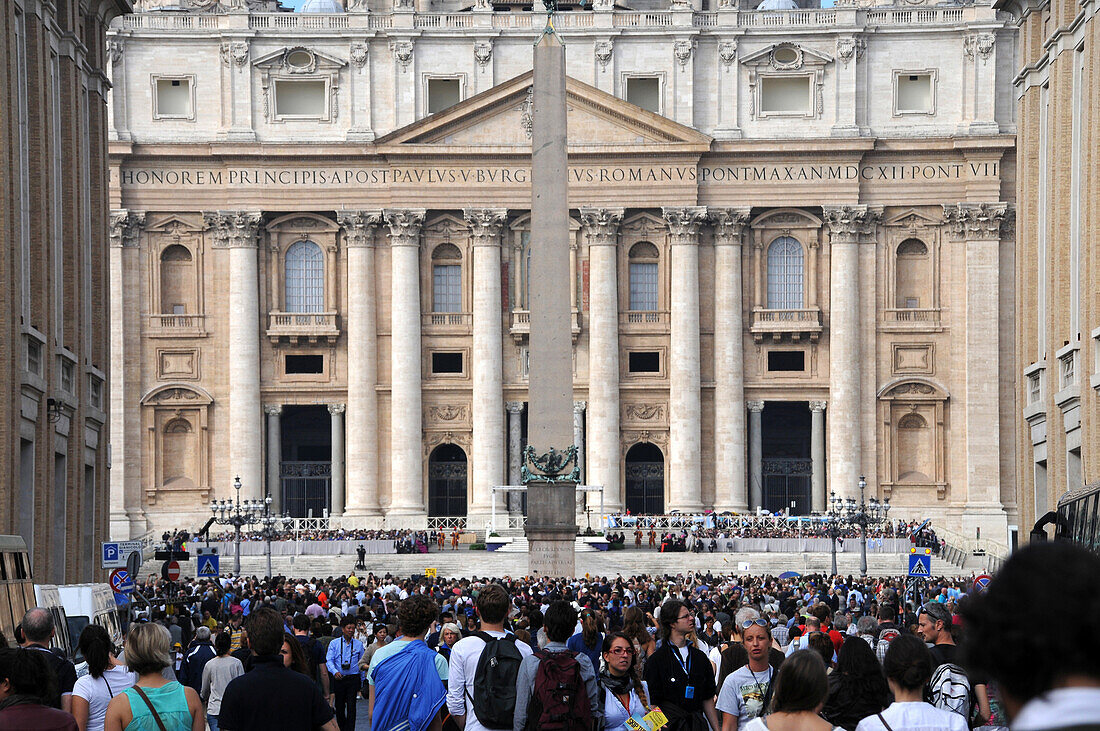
(299, 61)
(912, 219)
(786, 57)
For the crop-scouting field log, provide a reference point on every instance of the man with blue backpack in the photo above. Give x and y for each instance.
(407, 678)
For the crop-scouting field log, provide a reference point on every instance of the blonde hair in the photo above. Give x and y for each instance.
(148, 648)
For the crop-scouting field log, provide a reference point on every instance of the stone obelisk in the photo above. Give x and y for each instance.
(551, 517)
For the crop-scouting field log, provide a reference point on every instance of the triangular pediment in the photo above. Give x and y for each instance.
(173, 224)
(299, 60)
(500, 117)
(786, 57)
(912, 218)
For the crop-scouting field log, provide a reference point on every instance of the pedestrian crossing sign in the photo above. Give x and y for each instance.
(208, 566)
(920, 565)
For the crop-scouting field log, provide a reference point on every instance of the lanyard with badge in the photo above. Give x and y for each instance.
(689, 691)
(343, 645)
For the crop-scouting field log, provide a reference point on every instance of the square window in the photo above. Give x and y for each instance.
(178, 310)
(786, 361)
(785, 95)
(912, 303)
(305, 364)
(301, 98)
(443, 93)
(644, 92)
(644, 361)
(913, 92)
(447, 363)
(173, 98)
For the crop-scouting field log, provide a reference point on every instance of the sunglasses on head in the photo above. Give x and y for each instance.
(750, 622)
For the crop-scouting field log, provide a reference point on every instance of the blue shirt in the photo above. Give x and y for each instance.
(342, 651)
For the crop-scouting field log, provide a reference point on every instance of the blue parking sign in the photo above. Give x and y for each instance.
(110, 555)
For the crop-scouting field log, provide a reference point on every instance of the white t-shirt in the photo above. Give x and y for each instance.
(460, 681)
(98, 692)
(742, 695)
(914, 716)
(759, 724)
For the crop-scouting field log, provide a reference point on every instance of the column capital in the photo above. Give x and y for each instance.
(728, 224)
(976, 221)
(818, 405)
(579, 407)
(404, 225)
(514, 407)
(754, 405)
(125, 227)
(601, 225)
(358, 226)
(485, 225)
(684, 223)
(234, 229)
(273, 409)
(337, 408)
(848, 223)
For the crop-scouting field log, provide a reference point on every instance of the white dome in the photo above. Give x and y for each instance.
(321, 6)
(766, 5)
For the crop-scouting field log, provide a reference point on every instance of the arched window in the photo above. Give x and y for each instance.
(785, 274)
(912, 281)
(446, 279)
(643, 277)
(305, 278)
(177, 281)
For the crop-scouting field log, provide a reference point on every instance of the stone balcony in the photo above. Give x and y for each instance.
(446, 323)
(520, 326)
(175, 326)
(795, 324)
(905, 319)
(302, 327)
(644, 322)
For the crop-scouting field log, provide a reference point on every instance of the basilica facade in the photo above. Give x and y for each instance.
(791, 262)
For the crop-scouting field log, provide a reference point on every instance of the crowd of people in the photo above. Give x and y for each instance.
(687, 653)
(334, 534)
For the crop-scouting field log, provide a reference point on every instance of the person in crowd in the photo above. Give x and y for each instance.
(448, 636)
(559, 621)
(407, 679)
(27, 685)
(38, 630)
(590, 639)
(636, 628)
(908, 668)
(344, 662)
(857, 687)
(746, 691)
(315, 655)
(678, 676)
(198, 654)
(216, 675)
(153, 703)
(934, 625)
(380, 639)
(106, 678)
(800, 690)
(272, 696)
(735, 655)
(293, 656)
(624, 694)
(1020, 637)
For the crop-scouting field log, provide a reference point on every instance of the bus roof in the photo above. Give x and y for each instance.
(10, 544)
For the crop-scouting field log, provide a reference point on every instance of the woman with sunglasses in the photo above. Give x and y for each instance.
(624, 694)
(748, 689)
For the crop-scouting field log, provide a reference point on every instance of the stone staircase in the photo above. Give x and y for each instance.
(519, 545)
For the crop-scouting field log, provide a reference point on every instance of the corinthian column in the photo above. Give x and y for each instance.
(847, 224)
(274, 413)
(730, 492)
(362, 328)
(817, 455)
(336, 417)
(685, 410)
(237, 231)
(127, 514)
(515, 445)
(601, 228)
(487, 362)
(578, 439)
(406, 488)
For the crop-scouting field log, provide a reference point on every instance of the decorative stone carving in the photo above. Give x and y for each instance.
(513, 407)
(483, 53)
(786, 57)
(114, 50)
(604, 50)
(980, 45)
(579, 407)
(233, 229)
(485, 225)
(848, 223)
(357, 226)
(125, 227)
(404, 226)
(682, 50)
(402, 52)
(601, 225)
(980, 221)
(727, 52)
(754, 405)
(644, 412)
(683, 224)
(434, 439)
(728, 224)
(236, 53)
(818, 405)
(358, 54)
(448, 412)
(850, 47)
(273, 409)
(337, 408)
(647, 436)
(526, 120)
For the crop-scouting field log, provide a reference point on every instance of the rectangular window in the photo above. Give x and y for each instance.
(34, 355)
(305, 364)
(95, 391)
(1074, 476)
(447, 288)
(179, 309)
(786, 361)
(644, 361)
(67, 369)
(1034, 388)
(59, 525)
(443, 93)
(303, 99)
(913, 93)
(450, 363)
(644, 92)
(785, 95)
(643, 286)
(173, 98)
(1068, 376)
(912, 303)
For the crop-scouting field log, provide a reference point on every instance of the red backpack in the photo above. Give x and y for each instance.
(560, 698)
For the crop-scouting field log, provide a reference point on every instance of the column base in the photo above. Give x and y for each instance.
(363, 520)
(405, 518)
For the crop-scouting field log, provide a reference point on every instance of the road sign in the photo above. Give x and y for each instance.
(920, 566)
(208, 566)
(982, 582)
(170, 570)
(115, 553)
(431, 573)
(121, 582)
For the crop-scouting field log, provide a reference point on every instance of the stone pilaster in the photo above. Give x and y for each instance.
(486, 363)
(729, 362)
(238, 232)
(406, 487)
(515, 452)
(362, 366)
(336, 416)
(127, 514)
(578, 439)
(274, 413)
(685, 406)
(601, 229)
(756, 455)
(817, 455)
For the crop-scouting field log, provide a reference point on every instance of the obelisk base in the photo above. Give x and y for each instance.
(551, 530)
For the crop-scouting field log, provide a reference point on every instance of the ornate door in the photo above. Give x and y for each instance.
(306, 487)
(786, 481)
(447, 481)
(645, 480)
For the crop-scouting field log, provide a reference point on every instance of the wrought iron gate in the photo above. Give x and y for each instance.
(787, 480)
(306, 486)
(447, 486)
(645, 488)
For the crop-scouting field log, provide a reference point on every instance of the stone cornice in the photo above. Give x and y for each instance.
(404, 225)
(684, 223)
(975, 221)
(485, 225)
(848, 223)
(358, 226)
(728, 224)
(601, 225)
(234, 229)
(125, 227)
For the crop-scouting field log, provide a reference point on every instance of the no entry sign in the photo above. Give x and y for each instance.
(170, 570)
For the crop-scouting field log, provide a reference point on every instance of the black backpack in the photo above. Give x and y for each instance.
(494, 696)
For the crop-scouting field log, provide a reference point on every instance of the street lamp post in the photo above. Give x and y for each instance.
(237, 514)
(846, 511)
(836, 515)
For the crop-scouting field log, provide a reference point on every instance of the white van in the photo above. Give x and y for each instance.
(86, 604)
(48, 597)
